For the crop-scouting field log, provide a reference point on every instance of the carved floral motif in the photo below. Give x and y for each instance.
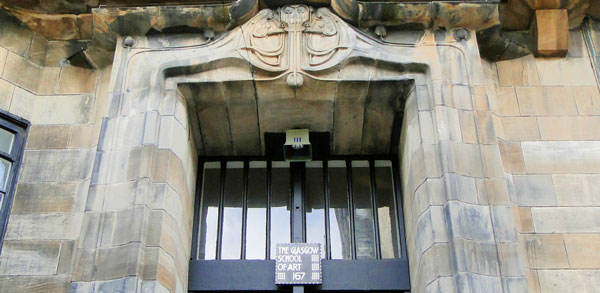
(297, 39)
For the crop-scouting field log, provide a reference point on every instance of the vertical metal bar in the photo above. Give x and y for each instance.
(374, 206)
(268, 246)
(326, 193)
(351, 207)
(298, 235)
(298, 289)
(587, 33)
(221, 209)
(398, 201)
(197, 209)
(245, 208)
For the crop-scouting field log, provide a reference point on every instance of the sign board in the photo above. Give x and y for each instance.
(298, 263)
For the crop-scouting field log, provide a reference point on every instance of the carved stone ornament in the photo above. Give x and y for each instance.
(296, 39)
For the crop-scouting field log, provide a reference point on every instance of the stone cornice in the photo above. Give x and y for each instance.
(100, 22)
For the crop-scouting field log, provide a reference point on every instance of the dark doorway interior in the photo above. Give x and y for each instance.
(348, 204)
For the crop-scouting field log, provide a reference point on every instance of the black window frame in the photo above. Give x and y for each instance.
(338, 275)
(20, 128)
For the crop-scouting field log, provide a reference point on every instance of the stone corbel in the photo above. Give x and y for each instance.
(548, 21)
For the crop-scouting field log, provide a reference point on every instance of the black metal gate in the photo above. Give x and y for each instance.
(351, 205)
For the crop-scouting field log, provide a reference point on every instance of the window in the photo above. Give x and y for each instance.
(13, 131)
(350, 205)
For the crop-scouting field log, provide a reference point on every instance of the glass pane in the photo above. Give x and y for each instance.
(386, 210)
(339, 216)
(256, 229)
(315, 204)
(363, 210)
(232, 211)
(7, 139)
(280, 204)
(209, 214)
(4, 173)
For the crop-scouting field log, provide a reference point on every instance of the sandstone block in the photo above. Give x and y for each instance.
(566, 219)
(523, 219)
(565, 71)
(68, 109)
(427, 130)
(461, 97)
(454, 124)
(546, 101)
(533, 281)
(480, 99)
(498, 191)
(512, 157)
(29, 257)
(117, 262)
(469, 221)
(56, 165)
(469, 282)
(577, 190)
(20, 71)
(511, 261)
(520, 128)
(126, 284)
(467, 126)
(76, 80)
(48, 137)
(535, 190)
(492, 161)
(44, 226)
(44, 198)
(545, 251)
(506, 101)
(566, 280)
(486, 127)
(6, 92)
(550, 32)
(587, 99)
(37, 50)
(35, 284)
(82, 136)
(482, 191)
(514, 284)
(518, 72)
(504, 224)
(128, 225)
(582, 250)
(466, 159)
(569, 128)
(3, 56)
(475, 257)
(558, 157)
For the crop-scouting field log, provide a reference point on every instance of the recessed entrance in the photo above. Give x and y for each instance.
(348, 204)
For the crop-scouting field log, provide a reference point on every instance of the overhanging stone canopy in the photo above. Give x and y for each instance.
(290, 67)
(91, 27)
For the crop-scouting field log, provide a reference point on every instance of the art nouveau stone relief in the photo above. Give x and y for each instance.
(296, 40)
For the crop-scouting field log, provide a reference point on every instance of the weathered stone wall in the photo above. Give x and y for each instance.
(500, 165)
(460, 230)
(63, 104)
(546, 115)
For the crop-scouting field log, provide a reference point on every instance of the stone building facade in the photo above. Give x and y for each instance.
(499, 150)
